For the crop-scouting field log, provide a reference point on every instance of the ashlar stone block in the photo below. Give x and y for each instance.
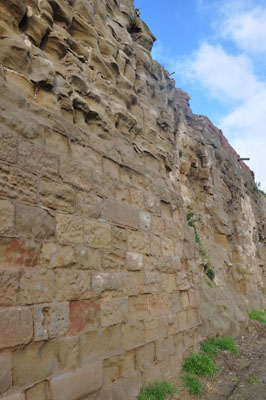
(16, 326)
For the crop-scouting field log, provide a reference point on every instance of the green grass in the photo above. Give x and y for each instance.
(257, 315)
(253, 380)
(157, 391)
(200, 364)
(193, 384)
(214, 346)
(262, 192)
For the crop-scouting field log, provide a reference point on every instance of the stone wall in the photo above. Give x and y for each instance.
(102, 282)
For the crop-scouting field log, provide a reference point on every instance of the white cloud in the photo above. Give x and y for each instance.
(230, 77)
(226, 76)
(246, 28)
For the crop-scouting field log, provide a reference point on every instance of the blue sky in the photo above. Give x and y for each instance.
(217, 49)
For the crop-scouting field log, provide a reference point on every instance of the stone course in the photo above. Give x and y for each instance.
(102, 285)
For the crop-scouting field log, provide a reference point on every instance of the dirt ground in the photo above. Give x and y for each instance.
(241, 377)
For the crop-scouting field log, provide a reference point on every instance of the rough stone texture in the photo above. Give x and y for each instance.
(100, 157)
(16, 326)
(77, 384)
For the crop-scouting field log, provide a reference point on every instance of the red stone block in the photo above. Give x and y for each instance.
(19, 252)
(84, 316)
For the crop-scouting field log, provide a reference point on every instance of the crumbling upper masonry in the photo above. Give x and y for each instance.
(102, 284)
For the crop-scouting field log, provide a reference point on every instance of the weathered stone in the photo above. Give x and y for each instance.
(72, 284)
(97, 234)
(95, 345)
(77, 384)
(88, 258)
(34, 222)
(102, 281)
(36, 286)
(121, 214)
(119, 237)
(69, 228)
(16, 326)
(138, 307)
(115, 259)
(39, 391)
(76, 174)
(18, 184)
(114, 311)
(8, 148)
(138, 241)
(119, 367)
(133, 335)
(145, 356)
(165, 348)
(68, 353)
(134, 261)
(168, 248)
(84, 316)
(36, 159)
(19, 252)
(15, 396)
(51, 320)
(5, 371)
(55, 256)
(6, 217)
(33, 363)
(9, 286)
(56, 196)
(89, 205)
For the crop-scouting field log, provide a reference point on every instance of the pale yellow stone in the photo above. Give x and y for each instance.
(6, 217)
(97, 234)
(69, 228)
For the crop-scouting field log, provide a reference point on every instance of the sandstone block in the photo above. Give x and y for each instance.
(152, 374)
(102, 281)
(72, 284)
(34, 222)
(77, 384)
(145, 356)
(97, 233)
(15, 326)
(138, 307)
(55, 140)
(37, 286)
(18, 184)
(131, 283)
(68, 353)
(6, 217)
(134, 261)
(75, 173)
(121, 214)
(159, 304)
(169, 282)
(165, 348)
(182, 319)
(138, 242)
(119, 237)
(114, 259)
(114, 311)
(5, 372)
(88, 258)
(39, 391)
(173, 324)
(18, 252)
(182, 281)
(9, 287)
(55, 256)
(69, 228)
(89, 205)
(15, 396)
(156, 246)
(176, 301)
(36, 159)
(95, 345)
(57, 196)
(119, 367)
(133, 335)
(87, 155)
(8, 148)
(168, 248)
(84, 316)
(51, 320)
(20, 84)
(185, 300)
(144, 220)
(116, 338)
(192, 318)
(157, 225)
(111, 168)
(33, 363)
(151, 283)
(194, 298)
(137, 199)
